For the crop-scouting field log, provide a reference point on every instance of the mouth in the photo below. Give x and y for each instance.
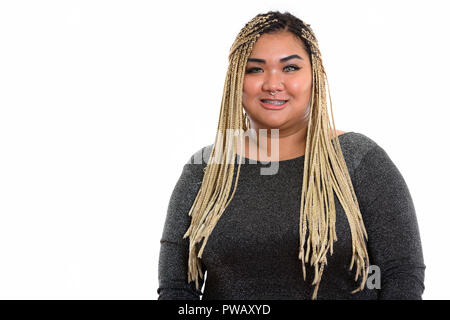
(273, 104)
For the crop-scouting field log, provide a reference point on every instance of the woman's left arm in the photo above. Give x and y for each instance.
(389, 216)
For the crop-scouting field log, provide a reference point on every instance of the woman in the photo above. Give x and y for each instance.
(351, 217)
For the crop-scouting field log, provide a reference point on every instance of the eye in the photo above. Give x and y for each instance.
(251, 70)
(293, 66)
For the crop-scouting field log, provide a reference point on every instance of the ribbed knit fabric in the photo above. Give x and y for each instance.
(252, 252)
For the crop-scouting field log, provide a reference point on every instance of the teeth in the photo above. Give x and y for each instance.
(276, 102)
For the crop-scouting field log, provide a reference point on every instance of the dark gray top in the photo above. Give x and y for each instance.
(252, 252)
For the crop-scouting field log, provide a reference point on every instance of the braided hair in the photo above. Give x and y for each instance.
(325, 169)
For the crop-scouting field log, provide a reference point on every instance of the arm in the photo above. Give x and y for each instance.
(393, 234)
(174, 250)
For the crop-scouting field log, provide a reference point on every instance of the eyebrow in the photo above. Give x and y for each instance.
(281, 60)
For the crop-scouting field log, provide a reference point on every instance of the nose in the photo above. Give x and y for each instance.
(273, 82)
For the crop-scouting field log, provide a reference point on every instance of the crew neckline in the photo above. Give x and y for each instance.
(247, 160)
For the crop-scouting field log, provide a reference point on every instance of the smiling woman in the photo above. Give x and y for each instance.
(277, 91)
(279, 69)
(255, 241)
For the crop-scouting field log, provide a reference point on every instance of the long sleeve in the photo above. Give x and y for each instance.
(174, 250)
(389, 216)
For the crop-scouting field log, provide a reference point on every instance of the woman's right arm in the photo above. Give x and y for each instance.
(174, 250)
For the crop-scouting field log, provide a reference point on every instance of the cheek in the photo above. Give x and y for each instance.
(299, 87)
(246, 93)
(250, 88)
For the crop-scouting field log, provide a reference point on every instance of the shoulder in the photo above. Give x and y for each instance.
(194, 167)
(355, 146)
(356, 142)
(201, 156)
(369, 164)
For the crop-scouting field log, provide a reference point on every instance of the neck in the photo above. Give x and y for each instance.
(285, 145)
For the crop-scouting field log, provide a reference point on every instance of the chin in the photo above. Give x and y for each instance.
(271, 124)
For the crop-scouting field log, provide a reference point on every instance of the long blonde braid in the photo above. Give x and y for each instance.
(325, 169)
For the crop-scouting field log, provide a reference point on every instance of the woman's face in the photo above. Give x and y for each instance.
(282, 66)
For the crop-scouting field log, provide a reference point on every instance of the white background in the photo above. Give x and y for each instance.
(102, 102)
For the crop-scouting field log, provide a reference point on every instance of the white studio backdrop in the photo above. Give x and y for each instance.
(102, 102)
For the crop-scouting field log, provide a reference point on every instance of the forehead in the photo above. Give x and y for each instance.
(276, 44)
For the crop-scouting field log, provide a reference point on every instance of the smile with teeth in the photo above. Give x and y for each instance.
(275, 102)
(270, 104)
